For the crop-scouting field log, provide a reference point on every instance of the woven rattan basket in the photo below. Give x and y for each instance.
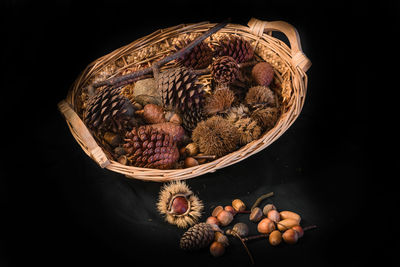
(290, 65)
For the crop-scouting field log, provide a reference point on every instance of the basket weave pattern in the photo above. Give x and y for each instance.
(290, 65)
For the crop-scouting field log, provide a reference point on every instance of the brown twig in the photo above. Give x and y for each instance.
(204, 157)
(255, 237)
(158, 64)
(261, 198)
(244, 244)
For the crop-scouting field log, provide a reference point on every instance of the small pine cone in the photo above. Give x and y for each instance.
(199, 57)
(108, 110)
(235, 47)
(248, 129)
(219, 101)
(196, 237)
(180, 89)
(224, 70)
(260, 95)
(266, 117)
(192, 118)
(148, 148)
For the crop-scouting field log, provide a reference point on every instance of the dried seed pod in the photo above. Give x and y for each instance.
(266, 117)
(217, 249)
(153, 114)
(241, 229)
(275, 238)
(225, 217)
(220, 101)
(267, 208)
(290, 236)
(221, 238)
(260, 95)
(238, 205)
(255, 214)
(179, 205)
(265, 226)
(191, 162)
(263, 73)
(274, 216)
(217, 210)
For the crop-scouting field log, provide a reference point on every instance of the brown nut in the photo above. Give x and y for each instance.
(267, 208)
(230, 209)
(286, 224)
(256, 214)
(290, 236)
(217, 210)
(265, 226)
(225, 217)
(275, 238)
(238, 205)
(241, 229)
(217, 249)
(212, 220)
(221, 238)
(191, 162)
(274, 216)
(299, 230)
(192, 149)
(290, 215)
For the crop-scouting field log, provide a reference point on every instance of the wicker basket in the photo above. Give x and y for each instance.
(290, 65)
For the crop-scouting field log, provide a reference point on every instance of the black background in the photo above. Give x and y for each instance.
(60, 208)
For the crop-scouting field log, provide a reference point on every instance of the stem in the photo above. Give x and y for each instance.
(205, 157)
(149, 70)
(244, 211)
(261, 198)
(255, 237)
(244, 245)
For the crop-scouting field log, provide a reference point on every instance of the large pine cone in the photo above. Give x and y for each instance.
(180, 90)
(224, 70)
(199, 57)
(149, 148)
(108, 110)
(235, 47)
(198, 236)
(191, 118)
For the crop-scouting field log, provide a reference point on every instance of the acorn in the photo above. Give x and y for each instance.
(256, 214)
(274, 216)
(265, 226)
(275, 238)
(241, 229)
(238, 205)
(217, 249)
(216, 211)
(267, 208)
(191, 162)
(290, 236)
(192, 149)
(221, 238)
(230, 209)
(299, 230)
(212, 220)
(225, 217)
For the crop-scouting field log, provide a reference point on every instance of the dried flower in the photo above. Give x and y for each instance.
(179, 205)
(248, 130)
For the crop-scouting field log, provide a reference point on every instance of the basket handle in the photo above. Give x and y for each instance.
(96, 153)
(259, 27)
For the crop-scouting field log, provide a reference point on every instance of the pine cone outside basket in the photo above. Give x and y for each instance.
(224, 69)
(235, 47)
(108, 110)
(148, 148)
(199, 57)
(198, 236)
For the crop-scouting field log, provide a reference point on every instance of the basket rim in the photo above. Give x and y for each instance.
(299, 83)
